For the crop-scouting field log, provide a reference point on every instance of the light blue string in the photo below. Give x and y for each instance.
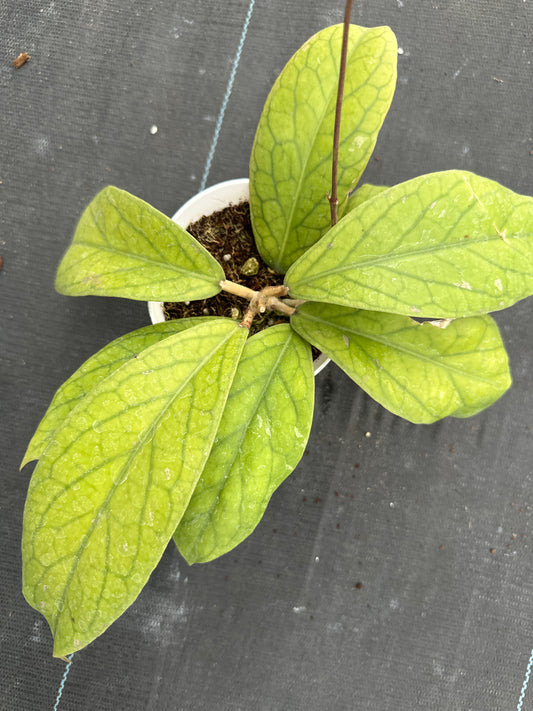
(225, 101)
(526, 682)
(63, 680)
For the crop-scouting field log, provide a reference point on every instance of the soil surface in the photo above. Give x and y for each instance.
(227, 235)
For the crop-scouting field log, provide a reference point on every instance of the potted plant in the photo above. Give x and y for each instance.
(184, 429)
(216, 199)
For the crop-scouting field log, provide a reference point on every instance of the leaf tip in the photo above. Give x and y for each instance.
(26, 460)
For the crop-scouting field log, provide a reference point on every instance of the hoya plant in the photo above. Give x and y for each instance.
(183, 430)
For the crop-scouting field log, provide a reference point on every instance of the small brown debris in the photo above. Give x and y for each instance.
(21, 59)
(531, 152)
(358, 586)
(493, 550)
(318, 500)
(1, 263)
(441, 548)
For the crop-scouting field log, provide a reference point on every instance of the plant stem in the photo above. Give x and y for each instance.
(268, 299)
(237, 289)
(333, 198)
(294, 302)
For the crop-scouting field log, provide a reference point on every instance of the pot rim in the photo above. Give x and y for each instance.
(214, 198)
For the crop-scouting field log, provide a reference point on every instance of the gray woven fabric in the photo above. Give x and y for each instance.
(410, 512)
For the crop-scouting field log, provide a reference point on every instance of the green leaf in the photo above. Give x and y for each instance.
(261, 438)
(110, 489)
(290, 165)
(95, 369)
(419, 371)
(124, 247)
(362, 194)
(442, 245)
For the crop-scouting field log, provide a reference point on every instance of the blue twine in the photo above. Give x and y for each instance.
(526, 682)
(225, 101)
(62, 684)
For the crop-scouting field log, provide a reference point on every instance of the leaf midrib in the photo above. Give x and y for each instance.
(130, 255)
(401, 349)
(413, 254)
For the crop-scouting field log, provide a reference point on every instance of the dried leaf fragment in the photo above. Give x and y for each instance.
(21, 59)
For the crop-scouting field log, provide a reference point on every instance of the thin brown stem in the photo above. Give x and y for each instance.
(333, 198)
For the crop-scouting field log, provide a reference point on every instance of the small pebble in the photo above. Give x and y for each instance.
(368, 434)
(250, 267)
(153, 129)
(226, 257)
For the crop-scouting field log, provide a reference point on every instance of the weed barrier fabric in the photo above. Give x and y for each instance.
(392, 569)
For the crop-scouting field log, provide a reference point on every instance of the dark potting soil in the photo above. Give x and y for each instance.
(227, 235)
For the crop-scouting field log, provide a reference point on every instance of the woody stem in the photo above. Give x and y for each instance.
(333, 198)
(268, 299)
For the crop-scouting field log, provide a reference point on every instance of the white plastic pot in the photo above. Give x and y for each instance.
(217, 197)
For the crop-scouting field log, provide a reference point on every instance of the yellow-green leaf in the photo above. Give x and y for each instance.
(124, 247)
(290, 165)
(110, 489)
(95, 369)
(261, 438)
(420, 371)
(362, 194)
(442, 245)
